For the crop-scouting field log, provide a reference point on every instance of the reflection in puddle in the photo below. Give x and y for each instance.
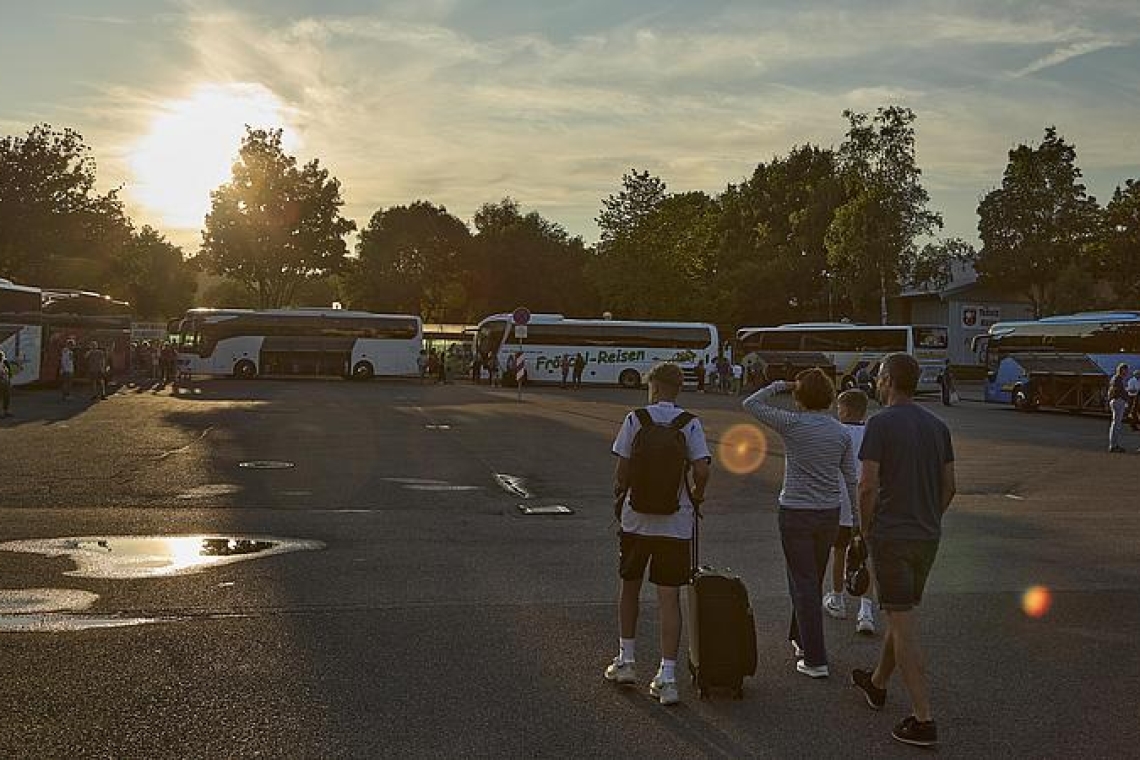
(50, 610)
(155, 556)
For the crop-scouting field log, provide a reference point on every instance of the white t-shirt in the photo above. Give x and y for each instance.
(67, 362)
(1132, 387)
(680, 523)
(846, 510)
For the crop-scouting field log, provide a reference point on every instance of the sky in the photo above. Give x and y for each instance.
(463, 102)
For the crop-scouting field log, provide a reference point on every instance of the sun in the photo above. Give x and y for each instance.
(192, 144)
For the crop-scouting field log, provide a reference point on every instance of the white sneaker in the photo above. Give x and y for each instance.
(865, 624)
(834, 605)
(797, 650)
(812, 671)
(665, 691)
(621, 672)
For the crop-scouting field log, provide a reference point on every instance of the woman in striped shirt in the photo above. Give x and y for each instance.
(818, 452)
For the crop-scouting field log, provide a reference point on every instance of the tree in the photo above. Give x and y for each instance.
(871, 243)
(640, 194)
(55, 229)
(273, 226)
(154, 276)
(1038, 223)
(523, 259)
(771, 264)
(933, 266)
(1119, 249)
(409, 259)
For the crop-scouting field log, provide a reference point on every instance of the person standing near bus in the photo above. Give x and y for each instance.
(67, 368)
(97, 371)
(565, 367)
(1133, 389)
(1117, 404)
(579, 369)
(6, 374)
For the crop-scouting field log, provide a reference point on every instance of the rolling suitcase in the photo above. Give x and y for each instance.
(722, 634)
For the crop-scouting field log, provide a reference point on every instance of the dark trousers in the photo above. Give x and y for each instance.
(5, 396)
(807, 536)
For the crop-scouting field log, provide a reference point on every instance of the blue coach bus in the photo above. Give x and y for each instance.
(1062, 361)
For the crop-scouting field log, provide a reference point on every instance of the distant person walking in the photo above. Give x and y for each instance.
(905, 488)
(564, 365)
(1117, 404)
(700, 372)
(422, 364)
(818, 454)
(1133, 389)
(656, 510)
(97, 371)
(66, 368)
(579, 369)
(6, 375)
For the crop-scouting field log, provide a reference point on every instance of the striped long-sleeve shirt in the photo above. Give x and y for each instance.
(818, 451)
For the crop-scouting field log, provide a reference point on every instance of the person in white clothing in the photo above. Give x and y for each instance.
(67, 368)
(852, 408)
(660, 540)
(1132, 388)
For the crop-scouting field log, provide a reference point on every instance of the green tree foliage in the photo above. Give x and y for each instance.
(639, 195)
(55, 228)
(154, 276)
(933, 266)
(409, 261)
(872, 240)
(523, 259)
(771, 260)
(1039, 222)
(1119, 251)
(274, 226)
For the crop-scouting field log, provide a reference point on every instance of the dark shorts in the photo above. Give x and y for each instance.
(901, 568)
(669, 559)
(843, 537)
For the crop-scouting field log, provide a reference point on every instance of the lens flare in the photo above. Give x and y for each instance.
(743, 449)
(1036, 601)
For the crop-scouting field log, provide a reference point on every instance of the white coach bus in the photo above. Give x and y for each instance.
(850, 347)
(616, 352)
(247, 343)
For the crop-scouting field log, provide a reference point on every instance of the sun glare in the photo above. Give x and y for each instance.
(192, 144)
(743, 449)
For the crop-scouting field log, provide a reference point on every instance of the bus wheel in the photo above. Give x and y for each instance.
(362, 371)
(630, 378)
(1022, 400)
(245, 369)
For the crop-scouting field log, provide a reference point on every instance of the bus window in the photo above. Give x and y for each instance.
(931, 337)
(781, 340)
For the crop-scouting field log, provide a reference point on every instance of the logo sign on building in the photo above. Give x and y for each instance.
(980, 317)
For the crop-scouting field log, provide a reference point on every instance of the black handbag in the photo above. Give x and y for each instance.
(857, 579)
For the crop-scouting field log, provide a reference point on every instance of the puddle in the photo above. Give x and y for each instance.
(513, 485)
(210, 489)
(52, 610)
(121, 557)
(549, 509)
(267, 464)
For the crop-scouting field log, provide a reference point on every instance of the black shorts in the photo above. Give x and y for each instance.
(669, 559)
(901, 568)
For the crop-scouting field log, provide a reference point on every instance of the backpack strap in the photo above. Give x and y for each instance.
(643, 417)
(681, 420)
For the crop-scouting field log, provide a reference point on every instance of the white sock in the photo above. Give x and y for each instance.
(668, 670)
(627, 649)
(866, 609)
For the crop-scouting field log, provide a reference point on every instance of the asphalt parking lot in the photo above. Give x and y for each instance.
(433, 618)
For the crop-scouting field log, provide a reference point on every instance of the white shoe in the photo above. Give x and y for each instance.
(812, 671)
(797, 650)
(621, 672)
(834, 605)
(665, 691)
(865, 624)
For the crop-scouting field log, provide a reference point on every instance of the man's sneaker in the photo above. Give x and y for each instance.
(865, 625)
(797, 650)
(876, 697)
(913, 731)
(834, 605)
(812, 671)
(665, 691)
(621, 672)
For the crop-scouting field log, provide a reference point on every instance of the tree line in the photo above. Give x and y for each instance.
(818, 233)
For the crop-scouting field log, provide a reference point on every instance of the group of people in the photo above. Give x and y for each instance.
(887, 480)
(720, 376)
(156, 359)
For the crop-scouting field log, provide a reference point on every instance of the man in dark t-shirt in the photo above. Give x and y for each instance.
(907, 484)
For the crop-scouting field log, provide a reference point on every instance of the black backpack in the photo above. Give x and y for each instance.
(659, 464)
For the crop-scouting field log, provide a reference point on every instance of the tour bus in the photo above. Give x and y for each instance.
(248, 343)
(1089, 345)
(850, 347)
(616, 351)
(36, 323)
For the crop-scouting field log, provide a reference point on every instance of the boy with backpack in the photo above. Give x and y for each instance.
(657, 447)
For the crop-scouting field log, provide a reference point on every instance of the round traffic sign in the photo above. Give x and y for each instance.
(520, 316)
